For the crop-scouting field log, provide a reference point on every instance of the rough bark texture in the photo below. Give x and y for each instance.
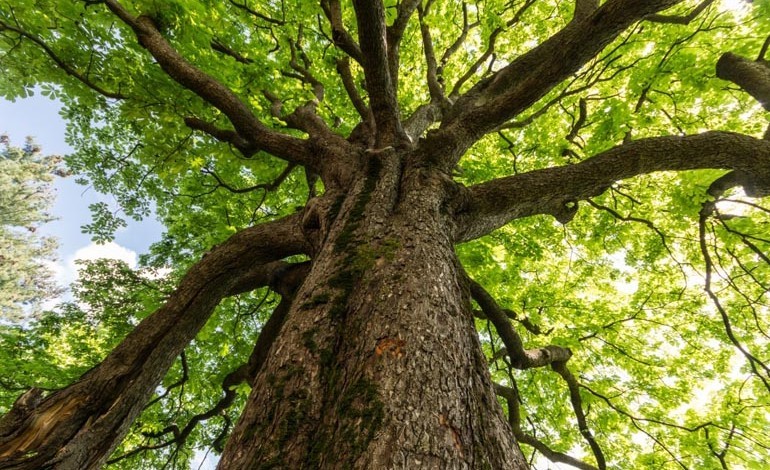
(557, 190)
(752, 76)
(378, 365)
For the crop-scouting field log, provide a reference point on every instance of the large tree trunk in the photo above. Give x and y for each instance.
(378, 364)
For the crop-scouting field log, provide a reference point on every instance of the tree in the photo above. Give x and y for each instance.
(25, 197)
(499, 231)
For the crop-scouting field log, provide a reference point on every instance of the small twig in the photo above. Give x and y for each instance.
(264, 186)
(69, 70)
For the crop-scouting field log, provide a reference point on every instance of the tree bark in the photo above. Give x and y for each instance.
(752, 76)
(378, 364)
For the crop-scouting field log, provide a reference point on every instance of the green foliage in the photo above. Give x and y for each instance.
(25, 197)
(105, 223)
(662, 385)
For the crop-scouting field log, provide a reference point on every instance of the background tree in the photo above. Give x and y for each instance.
(410, 234)
(25, 199)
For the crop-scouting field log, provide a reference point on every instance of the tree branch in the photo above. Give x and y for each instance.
(221, 47)
(69, 70)
(343, 69)
(758, 367)
(520, 358)
(577, 407)
(763, 50)
(752, 76)
(370, 15)
(272, 186)
(244, 146)
(435, 81)
(303, 118)
(514, 88)
(511, 396)
(70, 426)
(256, 14)
(285, 283)
(423, 117)
(342, 39)
(457, 43)
(556, 190)
(584, 9)
(394, 34)
(212, 91)
(686, 19)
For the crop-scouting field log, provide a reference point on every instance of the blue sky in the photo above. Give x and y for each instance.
(39, 117)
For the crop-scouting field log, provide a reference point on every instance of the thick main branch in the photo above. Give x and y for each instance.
(212, 91)
(382, 93)
(752, 76)
(514, 88)
(77, 427)
(556, 191)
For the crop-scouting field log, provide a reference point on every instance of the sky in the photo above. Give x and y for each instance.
(39, 117)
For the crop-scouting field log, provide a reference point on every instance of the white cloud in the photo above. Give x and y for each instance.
(107, 250)
(67, 272)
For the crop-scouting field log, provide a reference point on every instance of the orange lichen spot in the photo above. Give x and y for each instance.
(453, 431)
(391, 346)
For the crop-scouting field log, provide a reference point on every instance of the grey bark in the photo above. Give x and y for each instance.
(752, 76)
(378, 364)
